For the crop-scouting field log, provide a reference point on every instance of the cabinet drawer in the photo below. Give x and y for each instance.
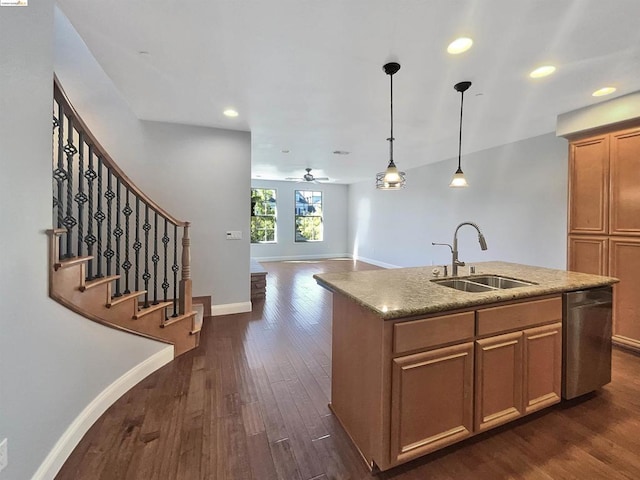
(518, 316)
(430, 332)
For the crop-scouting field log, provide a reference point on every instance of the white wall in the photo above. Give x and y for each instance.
(53, 363)
(335, 220)
(517, 195)
(179, 166)
(204, 175)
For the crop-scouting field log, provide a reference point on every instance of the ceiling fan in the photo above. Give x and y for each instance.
(307, 177)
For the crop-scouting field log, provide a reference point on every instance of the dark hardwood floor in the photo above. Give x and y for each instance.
(251, 403)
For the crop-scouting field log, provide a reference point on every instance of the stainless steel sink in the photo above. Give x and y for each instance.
(464, 285)
(497, 281)
(482, 283)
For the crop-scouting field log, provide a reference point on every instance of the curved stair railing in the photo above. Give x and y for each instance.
(114, 240)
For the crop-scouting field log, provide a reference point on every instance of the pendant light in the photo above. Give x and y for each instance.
(391, 178)
(458, 179)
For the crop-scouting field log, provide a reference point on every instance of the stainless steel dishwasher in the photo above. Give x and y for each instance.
(586, 329)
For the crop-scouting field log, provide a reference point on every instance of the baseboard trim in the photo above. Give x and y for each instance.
(230, 308)
(626, 343)
(74, 433)
(205, 301)
(323, 256)
(375, 262)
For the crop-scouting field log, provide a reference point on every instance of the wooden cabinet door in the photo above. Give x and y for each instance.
(625, 183)
(624, 263)
(431, 400)
(498, 396)
(589, 185)
(542, 367)
(588, 254)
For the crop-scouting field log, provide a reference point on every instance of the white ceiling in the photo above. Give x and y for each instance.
(306, 75)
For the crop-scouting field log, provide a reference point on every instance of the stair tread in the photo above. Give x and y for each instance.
(97, 281)
(123, 298)
(177, 319)
(150, 309)
(68, 262)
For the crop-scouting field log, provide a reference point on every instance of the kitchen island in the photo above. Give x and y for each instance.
(417, 365)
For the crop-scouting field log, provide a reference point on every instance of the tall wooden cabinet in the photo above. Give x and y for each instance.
(604, 220)
(624, 263)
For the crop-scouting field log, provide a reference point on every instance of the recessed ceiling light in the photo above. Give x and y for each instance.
(459, 45)
(230, 112)
(542, 71)
(603, 91)
(341, 152)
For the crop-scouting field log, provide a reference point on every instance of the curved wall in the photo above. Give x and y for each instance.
(53, 363)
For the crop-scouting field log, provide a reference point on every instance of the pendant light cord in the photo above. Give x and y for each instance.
(460, 138)
(391, 138)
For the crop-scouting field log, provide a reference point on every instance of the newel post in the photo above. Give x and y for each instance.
(185, 301)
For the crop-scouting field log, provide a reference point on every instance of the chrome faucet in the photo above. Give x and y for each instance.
(455, 263)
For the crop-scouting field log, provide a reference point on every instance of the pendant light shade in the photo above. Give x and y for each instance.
(391, 178)
(458, 179)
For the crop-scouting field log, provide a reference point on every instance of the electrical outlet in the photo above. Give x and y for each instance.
(4, 454)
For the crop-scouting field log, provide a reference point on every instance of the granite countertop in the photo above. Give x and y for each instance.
(406, 292)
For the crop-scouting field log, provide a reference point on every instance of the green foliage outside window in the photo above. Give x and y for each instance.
(263, 215)
(308, 216)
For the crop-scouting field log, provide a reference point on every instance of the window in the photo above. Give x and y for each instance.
(263, 215)
(308, 216)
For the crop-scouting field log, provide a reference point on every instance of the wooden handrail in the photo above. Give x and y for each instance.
(61, 97)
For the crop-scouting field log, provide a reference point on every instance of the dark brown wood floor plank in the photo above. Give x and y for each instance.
(271, 416)
(314, 391)
(232, 459)
(251, 403)
(260, 459)
(299, 439)
(189, 459)
(284, 460)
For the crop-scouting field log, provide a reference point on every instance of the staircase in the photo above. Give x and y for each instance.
(113, 256)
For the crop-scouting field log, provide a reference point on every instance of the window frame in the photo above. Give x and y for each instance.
(274, 196)
(298, 238)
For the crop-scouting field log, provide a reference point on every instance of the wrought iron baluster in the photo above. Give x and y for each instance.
(146, 275)
(127, 264)
(69, 221)
(155, 259)
(165, 245)
(59, 173)
(90, 238)
(137, 246)
(99, 216)
(109, 195)
(80, 196)
(117, 233)
(175, 267)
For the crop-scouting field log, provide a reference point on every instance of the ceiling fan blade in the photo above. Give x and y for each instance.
(321, 178)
